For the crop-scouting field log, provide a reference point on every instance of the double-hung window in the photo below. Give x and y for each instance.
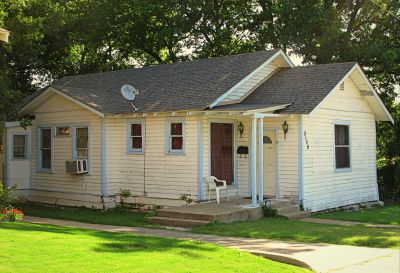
(81, 143)
(19, 150)
(342, 146)
(176, 137)
(45, 148)
(136, 137)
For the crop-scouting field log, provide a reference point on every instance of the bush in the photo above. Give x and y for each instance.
(389, 182)
(7, 212)
(269, 211)
(6, 196)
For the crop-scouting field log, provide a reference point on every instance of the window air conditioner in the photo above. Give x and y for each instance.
(79, 166)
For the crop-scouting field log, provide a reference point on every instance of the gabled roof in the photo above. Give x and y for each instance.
(203, 84)
(303, 87)
(169, 87)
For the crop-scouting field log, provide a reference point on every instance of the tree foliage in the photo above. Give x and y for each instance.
(51, 39)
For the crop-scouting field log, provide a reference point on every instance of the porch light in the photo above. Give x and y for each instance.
(240, 128)
(285, 128)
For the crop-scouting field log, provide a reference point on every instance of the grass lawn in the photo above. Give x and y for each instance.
(389, 215)
(283, 229)
(267, 228)
(45, 248)
(119, 217)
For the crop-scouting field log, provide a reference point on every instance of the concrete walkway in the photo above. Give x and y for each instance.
(347, 223)
(318, 257)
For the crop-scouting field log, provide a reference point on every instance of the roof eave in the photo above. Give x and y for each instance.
(37, 100)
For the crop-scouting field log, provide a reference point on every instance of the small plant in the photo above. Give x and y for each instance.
(6, 196)
(11, 215)
(269, 211)
(186, 197)
(125, 193)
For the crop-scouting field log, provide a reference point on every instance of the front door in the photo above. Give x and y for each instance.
(269, 162)
(222, 151)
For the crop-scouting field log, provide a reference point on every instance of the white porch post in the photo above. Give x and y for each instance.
(253, 161)
(260, 160)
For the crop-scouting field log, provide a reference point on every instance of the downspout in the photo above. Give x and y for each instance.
(301, 161)
(103, 159)
(200, 157)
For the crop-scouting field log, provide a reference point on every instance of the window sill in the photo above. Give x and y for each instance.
(344, 170)
(175, 153)
(20, 159)
(135, 152)
(44, 171)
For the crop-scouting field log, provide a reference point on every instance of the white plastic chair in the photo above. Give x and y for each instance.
(210, 180)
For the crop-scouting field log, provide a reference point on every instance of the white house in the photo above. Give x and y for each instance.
(270, 129)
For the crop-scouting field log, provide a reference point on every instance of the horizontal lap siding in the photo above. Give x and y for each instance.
(323, 187)
(57, 111)
(159, 174)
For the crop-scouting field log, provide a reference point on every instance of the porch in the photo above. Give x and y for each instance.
(237, 209)
(256, 151)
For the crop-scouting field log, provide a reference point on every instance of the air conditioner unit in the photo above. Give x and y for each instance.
(79, 166)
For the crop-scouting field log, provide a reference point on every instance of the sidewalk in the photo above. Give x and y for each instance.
(346, 223)
(318, 257)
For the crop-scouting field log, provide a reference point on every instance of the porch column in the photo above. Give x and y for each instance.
(253, 161)
(260, 160)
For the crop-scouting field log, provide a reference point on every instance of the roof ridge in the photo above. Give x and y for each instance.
(169, 64)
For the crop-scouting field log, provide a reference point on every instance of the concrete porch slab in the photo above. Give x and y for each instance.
(237, 209)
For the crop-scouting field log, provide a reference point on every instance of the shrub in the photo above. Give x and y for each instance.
(6, 196)
(269, 211)
(11, 214)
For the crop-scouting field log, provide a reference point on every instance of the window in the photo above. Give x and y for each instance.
(19, 147)
(135, 137)
(81, 150)
(342, 146)
(45, 149)
(176, 141)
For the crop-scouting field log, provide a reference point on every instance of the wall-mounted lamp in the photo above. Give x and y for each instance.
(240, 128)
(285, 128)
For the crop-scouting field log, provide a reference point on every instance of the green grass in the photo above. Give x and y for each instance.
(389, 215)
(118, 216)
(283, 229)
(45, 248)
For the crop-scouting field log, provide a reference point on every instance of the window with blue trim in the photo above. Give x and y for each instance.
(342, 146)
(45, 148)
(175, 137)
(81, 143)
(136, 137)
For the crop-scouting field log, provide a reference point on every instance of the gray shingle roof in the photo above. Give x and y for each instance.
(170, 87)
(303, 86)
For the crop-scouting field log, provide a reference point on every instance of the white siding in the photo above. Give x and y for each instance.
(58, 111)
(323, 186)
(159, 174)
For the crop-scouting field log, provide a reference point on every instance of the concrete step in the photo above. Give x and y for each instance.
(281, 203)
(288, 209)
(185, 215)
(177, 222)
(296, 215)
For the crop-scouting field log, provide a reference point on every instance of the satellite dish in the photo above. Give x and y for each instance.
(129, 92)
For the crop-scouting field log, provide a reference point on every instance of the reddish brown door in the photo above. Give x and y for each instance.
(222, 151)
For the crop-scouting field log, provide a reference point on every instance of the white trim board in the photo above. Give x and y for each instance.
(244, 80)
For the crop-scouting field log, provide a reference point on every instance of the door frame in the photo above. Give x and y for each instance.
(276, 130)
(234, 125)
